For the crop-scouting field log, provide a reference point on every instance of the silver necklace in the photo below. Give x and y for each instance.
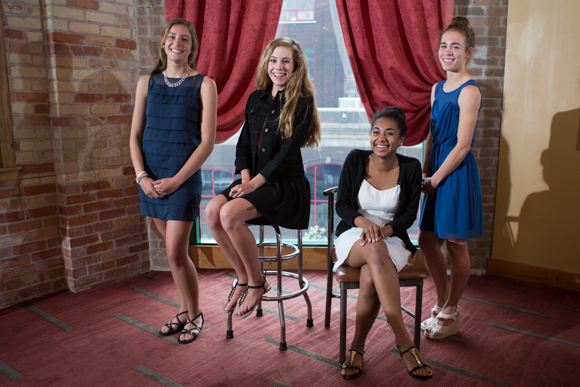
(169, 84)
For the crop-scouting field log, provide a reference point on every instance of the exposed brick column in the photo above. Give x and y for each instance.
(92, 73)
(30, 252)
(489, 19)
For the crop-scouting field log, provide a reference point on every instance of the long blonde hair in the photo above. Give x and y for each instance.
(162, 61)
(299, 84)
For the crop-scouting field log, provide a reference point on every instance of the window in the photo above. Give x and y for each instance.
(309, 51)
(297, 11)
(344, 122)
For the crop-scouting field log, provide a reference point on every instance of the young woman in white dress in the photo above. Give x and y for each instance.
(377, 200)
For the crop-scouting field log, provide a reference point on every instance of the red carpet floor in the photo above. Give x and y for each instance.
(511, 334)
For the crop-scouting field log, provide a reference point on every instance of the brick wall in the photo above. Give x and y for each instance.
(489, 18)
(74, 220)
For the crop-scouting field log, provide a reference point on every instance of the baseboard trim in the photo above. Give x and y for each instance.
(536, 274)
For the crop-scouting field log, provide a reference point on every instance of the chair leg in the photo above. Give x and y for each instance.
(418, 308)
(342, 326)
(329, 283)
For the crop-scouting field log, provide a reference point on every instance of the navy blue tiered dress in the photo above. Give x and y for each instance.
(172, 133)
(455, 209)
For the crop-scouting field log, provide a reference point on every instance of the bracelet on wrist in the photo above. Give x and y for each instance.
(141, 178)
(140, 174)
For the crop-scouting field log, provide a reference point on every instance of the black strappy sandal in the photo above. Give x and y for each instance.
(353, 353)
(191, 331)
(170, 324)
(413, 351)
(234, 286)
(243, 297)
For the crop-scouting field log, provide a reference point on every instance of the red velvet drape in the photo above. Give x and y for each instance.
(232, 35)
(391, 45)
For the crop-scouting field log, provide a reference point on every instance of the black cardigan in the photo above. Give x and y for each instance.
(354, 171)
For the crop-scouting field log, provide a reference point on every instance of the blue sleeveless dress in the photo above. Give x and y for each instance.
(172, 133)
(455, 209)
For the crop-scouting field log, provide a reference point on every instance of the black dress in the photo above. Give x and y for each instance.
(285, 197)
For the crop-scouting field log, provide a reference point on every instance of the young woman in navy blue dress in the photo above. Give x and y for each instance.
(172, 134)
(452, 209)
(281, 118)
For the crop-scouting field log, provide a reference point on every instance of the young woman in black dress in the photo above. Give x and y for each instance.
(281, 118)
(172, 134)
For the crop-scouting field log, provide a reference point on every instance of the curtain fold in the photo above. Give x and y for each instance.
(232, 35)
(392, 47)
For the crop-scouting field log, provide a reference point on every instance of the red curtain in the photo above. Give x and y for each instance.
(392, 47)
(232, 35)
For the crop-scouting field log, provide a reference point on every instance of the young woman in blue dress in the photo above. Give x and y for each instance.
(281, 117)
(452, 208)
(172, 134)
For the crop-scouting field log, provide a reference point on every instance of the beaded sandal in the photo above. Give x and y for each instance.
(353, 353)
(243, 297)
(193, 332)
(234, 286)
(437, 331)
(169, 325)
(413, 351)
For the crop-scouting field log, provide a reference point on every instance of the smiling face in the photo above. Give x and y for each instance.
(178, 43)
(453, 52)
(385, 137)
(280, 67)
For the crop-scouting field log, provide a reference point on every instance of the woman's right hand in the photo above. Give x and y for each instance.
(146, 185)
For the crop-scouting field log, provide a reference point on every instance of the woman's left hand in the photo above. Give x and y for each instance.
(166, 186)
(242, 189)
(428, 186)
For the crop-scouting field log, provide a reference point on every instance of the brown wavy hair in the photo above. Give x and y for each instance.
(299, 84)
(191, 59)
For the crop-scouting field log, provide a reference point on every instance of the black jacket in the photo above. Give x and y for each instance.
(354, 171)
(277, 157)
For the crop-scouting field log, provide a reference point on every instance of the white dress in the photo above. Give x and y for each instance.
(379, 207)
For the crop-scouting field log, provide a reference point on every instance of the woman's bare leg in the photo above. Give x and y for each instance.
(367, 309)
(384, 275)
(233, 216)
(213, 217)
(436, 263)
(176, 236)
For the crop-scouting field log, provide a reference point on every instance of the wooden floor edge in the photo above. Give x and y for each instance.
(536, 274)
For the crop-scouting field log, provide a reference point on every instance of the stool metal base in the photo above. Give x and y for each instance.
(279, 273)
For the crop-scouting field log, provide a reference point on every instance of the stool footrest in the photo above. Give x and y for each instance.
(285, 257)
(290, 295)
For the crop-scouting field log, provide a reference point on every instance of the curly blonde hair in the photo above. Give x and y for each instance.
(299, 84)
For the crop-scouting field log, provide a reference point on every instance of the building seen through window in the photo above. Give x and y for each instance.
(343, 120)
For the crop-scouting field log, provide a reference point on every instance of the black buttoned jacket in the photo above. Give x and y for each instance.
(273, 157)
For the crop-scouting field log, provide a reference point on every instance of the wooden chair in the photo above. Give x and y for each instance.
(349, 277)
